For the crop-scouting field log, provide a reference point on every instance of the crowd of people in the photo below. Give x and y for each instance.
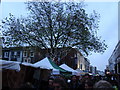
(86, 82)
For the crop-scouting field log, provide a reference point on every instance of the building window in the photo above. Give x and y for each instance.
(6, 55)
(75, 60)
(29, 60)
(12, 54)
(18, 53)
(31, 54)
(81, 66)
(75, 55)
(25, 54)
(15, 53)
(25, 60)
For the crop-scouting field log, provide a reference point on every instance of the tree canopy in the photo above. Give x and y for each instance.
(55, 25)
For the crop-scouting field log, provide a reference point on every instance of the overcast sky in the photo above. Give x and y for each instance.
(108, 29)
(108, 26)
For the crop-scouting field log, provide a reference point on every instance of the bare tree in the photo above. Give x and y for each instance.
(55, 25)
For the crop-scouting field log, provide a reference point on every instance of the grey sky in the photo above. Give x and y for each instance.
(108, 29)
(108, 26)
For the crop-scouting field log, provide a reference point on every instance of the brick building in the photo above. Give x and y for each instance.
(73, 58)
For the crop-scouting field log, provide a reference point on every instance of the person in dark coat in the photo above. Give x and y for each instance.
(50, 84)
(75, 84)
(59, 84)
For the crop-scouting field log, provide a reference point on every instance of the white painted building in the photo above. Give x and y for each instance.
(81, 61)
(114, 60)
